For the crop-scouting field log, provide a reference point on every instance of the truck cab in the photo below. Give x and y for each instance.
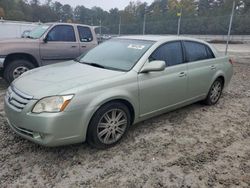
(47, 44)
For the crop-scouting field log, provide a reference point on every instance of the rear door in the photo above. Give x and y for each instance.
(201, 68)
(160, 90)
(61, 45)
(86, 38)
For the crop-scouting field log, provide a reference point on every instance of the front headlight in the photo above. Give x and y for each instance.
(52, 104)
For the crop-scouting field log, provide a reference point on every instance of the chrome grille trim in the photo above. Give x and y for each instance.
(17, 99)
(21, 94)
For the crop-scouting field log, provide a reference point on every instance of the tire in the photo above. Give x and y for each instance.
(105, 130)
(15, 68)
(215, 92)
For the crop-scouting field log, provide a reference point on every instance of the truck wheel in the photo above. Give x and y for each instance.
(15, 68)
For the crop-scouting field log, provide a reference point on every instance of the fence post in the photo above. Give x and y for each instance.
(120, 21)
(230, 27)
(179, 22)
(100, 26)
(144, 23)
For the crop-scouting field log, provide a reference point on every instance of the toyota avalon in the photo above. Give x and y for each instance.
(123, 81)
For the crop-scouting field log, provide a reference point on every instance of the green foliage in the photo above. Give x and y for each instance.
(198, 17)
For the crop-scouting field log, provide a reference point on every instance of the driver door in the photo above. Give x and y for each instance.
(60, 45)
(164, 89)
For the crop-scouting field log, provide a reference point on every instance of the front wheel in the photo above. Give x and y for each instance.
(16, 68)
(108, 125)
(215, 92)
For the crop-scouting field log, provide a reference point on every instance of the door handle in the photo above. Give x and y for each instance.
(73, 46)
(182, 74)
(84, 46)
(212, 67)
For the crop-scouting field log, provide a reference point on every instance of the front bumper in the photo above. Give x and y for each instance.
(47, 129)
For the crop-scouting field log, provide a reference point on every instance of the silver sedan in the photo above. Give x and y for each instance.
(119, 83)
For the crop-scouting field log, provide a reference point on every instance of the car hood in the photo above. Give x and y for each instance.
(18, 45)
(58, 78)
(16, 40)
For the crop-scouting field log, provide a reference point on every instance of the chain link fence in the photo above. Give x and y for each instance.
(212, 25)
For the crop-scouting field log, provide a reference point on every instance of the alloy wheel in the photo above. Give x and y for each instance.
(112, 126)
(215, 91)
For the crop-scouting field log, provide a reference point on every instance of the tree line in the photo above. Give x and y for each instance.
(198, 16)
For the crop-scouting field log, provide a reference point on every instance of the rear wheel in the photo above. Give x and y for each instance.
(16, 68)
(215, 92)
(108, 125)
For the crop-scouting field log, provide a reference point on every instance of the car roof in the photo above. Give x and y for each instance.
(159, 38)
(63, 23)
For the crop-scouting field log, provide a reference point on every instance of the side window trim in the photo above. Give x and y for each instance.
(62, 25)
(184, 54)
(208, 49)
(169, 42)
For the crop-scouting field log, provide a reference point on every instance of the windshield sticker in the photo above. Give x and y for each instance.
(136, 46)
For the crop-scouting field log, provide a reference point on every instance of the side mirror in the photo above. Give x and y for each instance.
(45, 39)
(154, 66)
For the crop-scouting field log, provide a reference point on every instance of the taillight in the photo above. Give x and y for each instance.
(231, 61)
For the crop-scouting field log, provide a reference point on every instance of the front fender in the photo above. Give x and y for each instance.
(111, 95)
(105, 97)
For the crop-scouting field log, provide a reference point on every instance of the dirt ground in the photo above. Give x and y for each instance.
(196, 146)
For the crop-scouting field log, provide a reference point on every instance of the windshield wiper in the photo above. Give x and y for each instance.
(94, 65)
(100, 66)
(77, 60)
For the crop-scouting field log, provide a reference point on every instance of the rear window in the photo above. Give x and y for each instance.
(196, 51)
(85, 34)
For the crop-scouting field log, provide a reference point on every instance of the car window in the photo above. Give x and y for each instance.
(38, 31)
(196, 51)
(170, 52)
(62, 33)
(85, 34)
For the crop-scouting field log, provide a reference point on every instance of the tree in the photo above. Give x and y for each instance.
(198, 16)
(204, 7)
(67, 13)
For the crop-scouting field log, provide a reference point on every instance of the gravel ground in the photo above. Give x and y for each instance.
(196, 146)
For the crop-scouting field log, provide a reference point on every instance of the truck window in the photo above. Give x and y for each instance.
(62, 33)
(85, 34)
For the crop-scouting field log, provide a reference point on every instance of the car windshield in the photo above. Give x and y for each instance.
(116, 54)
(38, 31)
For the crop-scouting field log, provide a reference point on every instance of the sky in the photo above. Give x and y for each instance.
(104, 4)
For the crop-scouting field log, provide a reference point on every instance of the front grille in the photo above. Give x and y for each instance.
(17, 99)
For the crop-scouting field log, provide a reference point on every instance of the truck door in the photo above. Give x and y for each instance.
(60, 45)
